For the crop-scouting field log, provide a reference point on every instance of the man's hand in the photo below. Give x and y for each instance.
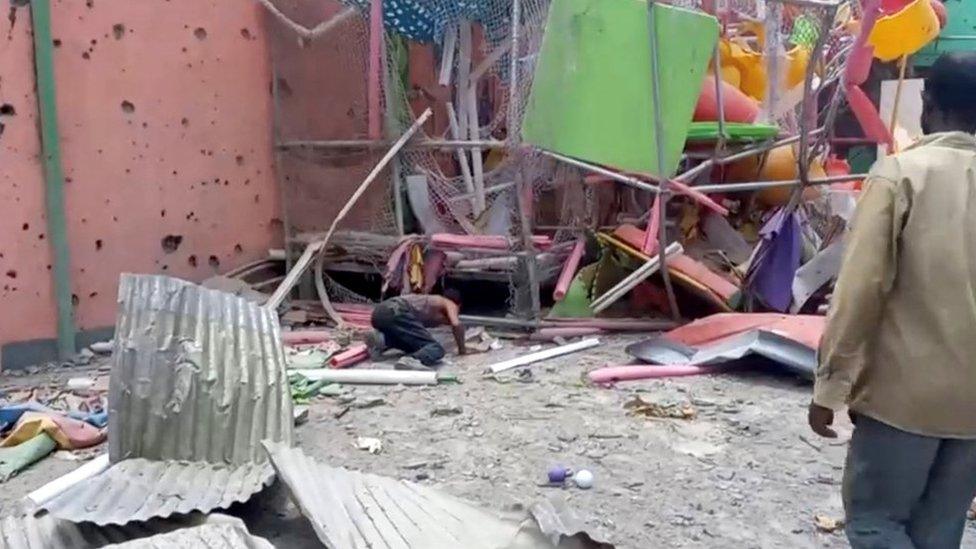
(459, 339)
(820, 419)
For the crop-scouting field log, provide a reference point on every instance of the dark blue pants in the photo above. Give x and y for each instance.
(905, 491)
(402, 329)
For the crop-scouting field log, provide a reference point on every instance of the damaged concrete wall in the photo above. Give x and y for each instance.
(165, 119)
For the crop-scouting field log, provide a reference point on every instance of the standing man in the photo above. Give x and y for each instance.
(402, 322)
(900, 345)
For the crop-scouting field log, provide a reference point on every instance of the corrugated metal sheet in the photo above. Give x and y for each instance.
(351, 510)
(224, 534)
(22, 530)
(139, 489)
(198, 375)
(198, 380)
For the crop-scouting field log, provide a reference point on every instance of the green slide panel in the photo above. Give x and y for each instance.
(592, 98)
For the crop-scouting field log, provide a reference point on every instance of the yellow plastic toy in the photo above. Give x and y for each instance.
(745, 69)
(905, 32)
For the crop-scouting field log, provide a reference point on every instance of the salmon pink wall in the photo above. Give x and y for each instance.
(165, 124)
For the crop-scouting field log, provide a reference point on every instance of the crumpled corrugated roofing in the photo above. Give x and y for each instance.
(352, 510)
(139, 489)
(21, 530)
(227, 533)
(197, 375)
(198, 380)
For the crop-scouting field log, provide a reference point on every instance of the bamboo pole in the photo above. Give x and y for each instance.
(282, 291)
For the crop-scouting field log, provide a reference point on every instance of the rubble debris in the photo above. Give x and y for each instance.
(613, 374)
(543, 355)
(408, 515)
(310, 356)
(478, 340)
(369, 444)
(637, 406)
(827, 524)
(179, 406)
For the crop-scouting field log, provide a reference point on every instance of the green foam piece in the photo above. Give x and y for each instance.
(592, 98)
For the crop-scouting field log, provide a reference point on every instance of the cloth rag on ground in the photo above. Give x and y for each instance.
(70, 434)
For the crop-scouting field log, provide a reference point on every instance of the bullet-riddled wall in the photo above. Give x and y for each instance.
(165, 125)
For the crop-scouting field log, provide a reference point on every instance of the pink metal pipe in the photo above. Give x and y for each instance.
(490, 242)
(349, 357)
(569, 270)
(375, 68)
(699, 197)
(305, 336)
(653, 225)
(862, 55)
(613, 374)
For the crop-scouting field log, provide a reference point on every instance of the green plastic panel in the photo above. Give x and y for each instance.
(592, 98)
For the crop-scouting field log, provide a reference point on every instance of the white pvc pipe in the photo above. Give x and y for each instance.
(59, 485)
(372, 377)
(543, 355)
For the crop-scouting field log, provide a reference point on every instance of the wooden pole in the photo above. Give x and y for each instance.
(902, 64)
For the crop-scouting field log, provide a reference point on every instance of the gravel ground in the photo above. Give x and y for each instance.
(744, 471)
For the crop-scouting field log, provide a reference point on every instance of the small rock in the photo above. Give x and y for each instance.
(421, 476)
(364, 403)
(101, 347)
(447, 410)
(827, 524)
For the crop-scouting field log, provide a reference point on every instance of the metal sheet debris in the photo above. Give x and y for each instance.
(223, 533)
(21, 530)
(351, 510)
(197, 375)
(198, 379)
(791, 354)
(139, 489)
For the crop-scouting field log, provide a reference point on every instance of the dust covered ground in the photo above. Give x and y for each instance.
(743, 472)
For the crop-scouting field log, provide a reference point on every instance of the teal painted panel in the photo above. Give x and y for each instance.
(959, 33)
(592, 98)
